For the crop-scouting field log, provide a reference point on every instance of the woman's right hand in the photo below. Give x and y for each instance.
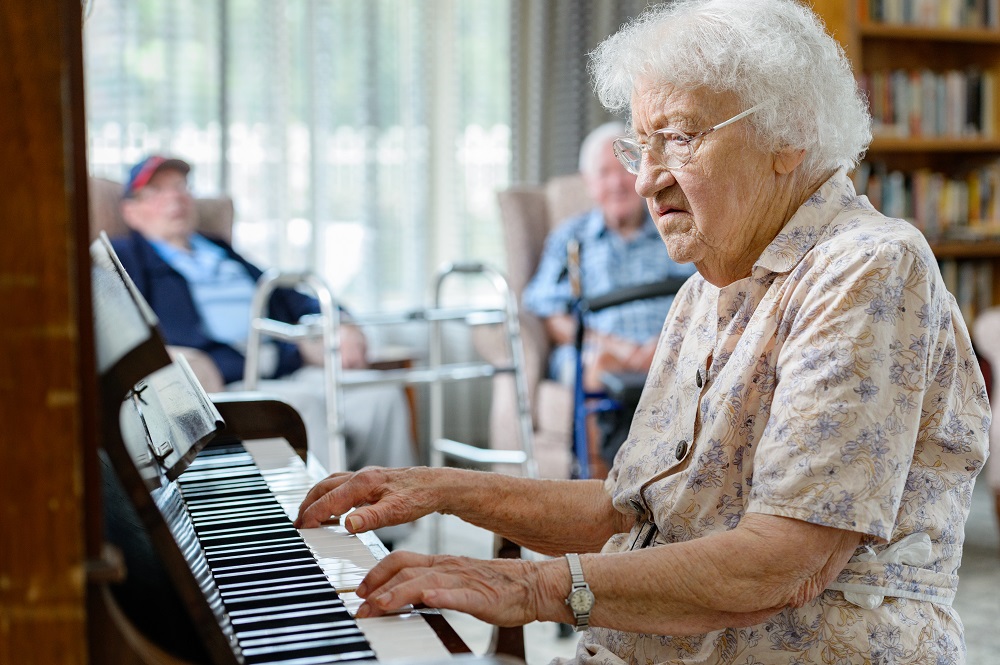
(380, 496)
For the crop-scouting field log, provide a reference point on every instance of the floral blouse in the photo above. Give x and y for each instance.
(836, 385)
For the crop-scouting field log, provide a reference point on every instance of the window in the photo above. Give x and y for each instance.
(365, 140)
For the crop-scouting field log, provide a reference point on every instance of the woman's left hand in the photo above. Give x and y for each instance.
(503, 592)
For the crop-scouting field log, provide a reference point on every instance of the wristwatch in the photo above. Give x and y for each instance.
(580, 598)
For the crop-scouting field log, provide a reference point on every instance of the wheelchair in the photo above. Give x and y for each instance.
(615, 405)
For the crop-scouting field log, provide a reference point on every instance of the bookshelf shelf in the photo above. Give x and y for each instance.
(966, 249)
(923, 144)
(920, 33)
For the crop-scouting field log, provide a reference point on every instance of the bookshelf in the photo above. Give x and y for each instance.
(931, 69)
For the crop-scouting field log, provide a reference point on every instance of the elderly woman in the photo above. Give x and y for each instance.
(801, 463)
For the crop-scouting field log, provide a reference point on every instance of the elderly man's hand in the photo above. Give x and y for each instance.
(609, 353)
(383, 497)
(503, 592)
(353, 349)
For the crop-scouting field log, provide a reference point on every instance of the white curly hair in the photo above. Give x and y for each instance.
(595, 141)
(771, 52)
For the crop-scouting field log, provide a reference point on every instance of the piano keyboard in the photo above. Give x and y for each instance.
(289, 593)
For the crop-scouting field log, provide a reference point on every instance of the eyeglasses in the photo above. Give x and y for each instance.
(671, 147)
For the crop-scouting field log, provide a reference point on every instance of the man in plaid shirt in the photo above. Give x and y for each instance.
(619, 246)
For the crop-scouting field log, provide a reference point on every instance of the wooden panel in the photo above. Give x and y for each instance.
(933, 54)
(912, 32)
(958, 249)
(46, 385)
(838, 17)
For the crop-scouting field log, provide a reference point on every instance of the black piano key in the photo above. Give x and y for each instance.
(291, 571)
(245, 505)
(303, 611)
(289, 621)
(216, 490)
(302, 643)
(349, 648)
(193, 494)
(279, 601)
(236, 564)
(259, 535)
(210, 514)
(221, 480)
(271, 525)
(218, 552)
(229, 474)
(234, 594)
(329, 659)
(227, 586)
(295, 630)
(319, 631)
(265, 519)
(219, 477)
(223, 514)
(236, 557)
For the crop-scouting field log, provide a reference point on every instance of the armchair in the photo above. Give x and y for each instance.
(528, 215)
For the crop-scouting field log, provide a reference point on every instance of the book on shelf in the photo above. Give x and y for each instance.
(931, 13)
(949, 273)
(965, 207)
(984, 286)
(966, 289)
(970, 281)
(924, 103)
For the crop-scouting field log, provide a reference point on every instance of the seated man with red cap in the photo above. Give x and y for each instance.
(201, 290)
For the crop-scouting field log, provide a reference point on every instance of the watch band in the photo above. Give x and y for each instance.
(575, 571)
(580, 598)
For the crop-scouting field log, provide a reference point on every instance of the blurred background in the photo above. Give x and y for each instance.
(365, 140)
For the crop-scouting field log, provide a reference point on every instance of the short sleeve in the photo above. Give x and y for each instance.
(859, 346)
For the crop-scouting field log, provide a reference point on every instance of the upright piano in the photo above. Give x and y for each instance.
(199, 497)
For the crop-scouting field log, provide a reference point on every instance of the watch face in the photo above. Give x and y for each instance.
(581, 601)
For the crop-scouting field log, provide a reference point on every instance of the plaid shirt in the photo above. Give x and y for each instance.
(608, 262)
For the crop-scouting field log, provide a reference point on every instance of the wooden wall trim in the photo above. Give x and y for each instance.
(47, 395)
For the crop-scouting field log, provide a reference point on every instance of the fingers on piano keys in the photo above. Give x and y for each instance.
(288, 593)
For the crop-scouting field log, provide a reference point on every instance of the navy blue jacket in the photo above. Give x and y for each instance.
(168, 294)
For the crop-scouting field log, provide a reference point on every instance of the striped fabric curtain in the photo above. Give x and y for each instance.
(553, 104)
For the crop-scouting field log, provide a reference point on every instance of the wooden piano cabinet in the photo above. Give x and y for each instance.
(118, 641)
(47, 380)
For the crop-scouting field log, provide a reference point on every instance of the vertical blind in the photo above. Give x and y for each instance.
(365, 140)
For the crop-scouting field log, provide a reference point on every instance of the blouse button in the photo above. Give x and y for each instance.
(698, 380)
(681, 449)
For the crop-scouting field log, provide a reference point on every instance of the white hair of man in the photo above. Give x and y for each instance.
(771, 52)
(598, 138)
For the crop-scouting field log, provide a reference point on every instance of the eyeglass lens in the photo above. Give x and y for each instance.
(671, 148)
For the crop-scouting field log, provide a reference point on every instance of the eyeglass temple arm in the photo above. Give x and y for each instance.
(739, 116)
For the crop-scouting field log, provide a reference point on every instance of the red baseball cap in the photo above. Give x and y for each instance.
(142, 172)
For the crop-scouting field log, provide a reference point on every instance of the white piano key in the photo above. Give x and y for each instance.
(402, 636)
